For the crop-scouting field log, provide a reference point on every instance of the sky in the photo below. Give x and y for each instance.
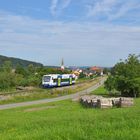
(82, 32)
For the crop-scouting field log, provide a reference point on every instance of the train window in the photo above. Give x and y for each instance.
(54, 80)
(46, 78)
(65, 80)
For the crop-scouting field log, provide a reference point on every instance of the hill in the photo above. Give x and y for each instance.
(16, 61)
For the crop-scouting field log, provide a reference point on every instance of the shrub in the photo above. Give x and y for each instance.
(7, 80)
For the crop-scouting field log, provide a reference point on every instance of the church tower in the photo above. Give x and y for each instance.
(62, 64)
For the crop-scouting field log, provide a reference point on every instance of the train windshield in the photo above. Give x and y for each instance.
(46, 78)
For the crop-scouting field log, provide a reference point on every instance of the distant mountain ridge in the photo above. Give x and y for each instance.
(18, 61)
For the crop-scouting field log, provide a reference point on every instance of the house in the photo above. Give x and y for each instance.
(96, 70)
(77, 72)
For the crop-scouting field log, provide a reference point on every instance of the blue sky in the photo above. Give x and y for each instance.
(83, 32)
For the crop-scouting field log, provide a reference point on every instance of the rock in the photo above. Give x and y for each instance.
(25, 88)
(20, 88)
(90, 100)
(94, 103)
(126, 102)
(100, 102)
(85, 98)
(104, 103)
(115, 101)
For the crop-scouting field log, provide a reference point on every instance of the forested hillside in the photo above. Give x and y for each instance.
(17, 61)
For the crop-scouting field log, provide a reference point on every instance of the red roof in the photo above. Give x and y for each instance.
(95, 68)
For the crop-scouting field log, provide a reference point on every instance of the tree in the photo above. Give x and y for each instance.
(125, 77)
(7, 66)
(21, 70)
(31, 69)
(106, 70)
(82, 75)
(110, 83)
(7, 78)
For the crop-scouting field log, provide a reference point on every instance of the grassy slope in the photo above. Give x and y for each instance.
(70, 121)
(103, 92)
(100, 91)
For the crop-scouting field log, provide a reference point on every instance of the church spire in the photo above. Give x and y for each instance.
(62, 64)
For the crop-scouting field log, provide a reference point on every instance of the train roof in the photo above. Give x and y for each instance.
(62, 75)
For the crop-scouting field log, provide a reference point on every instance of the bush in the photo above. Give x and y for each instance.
(7, 80)
(34, 81)
(82, 75)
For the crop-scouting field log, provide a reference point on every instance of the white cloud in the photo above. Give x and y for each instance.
(58, 6)
(65, 3)
(124, 9)
(100, 7)
(79, 43)
(53, 7)
(112, 9)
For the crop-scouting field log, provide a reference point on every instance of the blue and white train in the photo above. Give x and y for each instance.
(57, 80)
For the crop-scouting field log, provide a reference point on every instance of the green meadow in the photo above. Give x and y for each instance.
(100, 91)
(67, 120)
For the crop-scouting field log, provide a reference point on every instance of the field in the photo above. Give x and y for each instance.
(67, 120)
(101, 91)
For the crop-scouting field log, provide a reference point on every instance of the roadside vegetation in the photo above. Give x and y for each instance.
(125, 77)
(100, 91)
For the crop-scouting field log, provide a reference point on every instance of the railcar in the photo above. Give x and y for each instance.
(58, 80)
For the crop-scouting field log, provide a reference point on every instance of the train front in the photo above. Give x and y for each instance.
(46, 81)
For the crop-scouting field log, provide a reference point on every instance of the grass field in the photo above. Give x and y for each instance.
(103, 92)
(100, 91)
(67, 120)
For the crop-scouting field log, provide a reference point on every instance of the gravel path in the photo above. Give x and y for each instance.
(71, 96)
